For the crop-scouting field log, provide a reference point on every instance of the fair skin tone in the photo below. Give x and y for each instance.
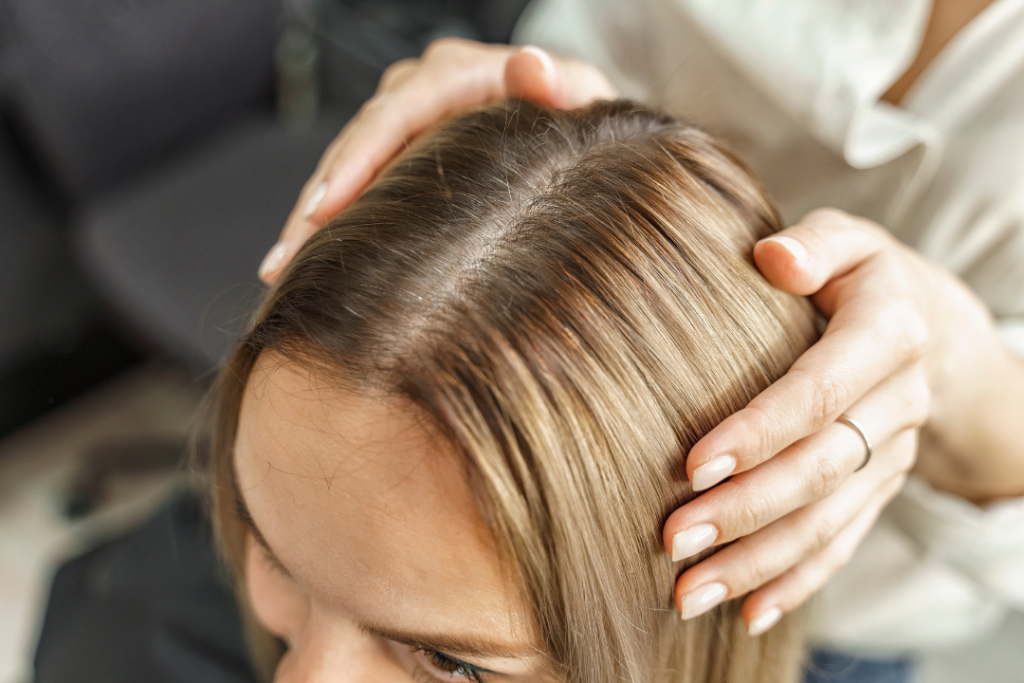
(909, 352)
(366, 554)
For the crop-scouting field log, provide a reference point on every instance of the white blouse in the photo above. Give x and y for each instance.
(794, 86)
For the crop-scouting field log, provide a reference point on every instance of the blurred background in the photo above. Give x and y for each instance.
(150, 152)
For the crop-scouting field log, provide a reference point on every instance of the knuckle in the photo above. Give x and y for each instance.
(376, 105)
(759, 569)
(833, 218)
(381, 108)
(444, 48)
(873, 228)
(827, 215)
(904, 324)
(763, 428)
(393, 71)
(751, 514)
(829, 472)
(890, 260)
(825, 530)
(830, 399)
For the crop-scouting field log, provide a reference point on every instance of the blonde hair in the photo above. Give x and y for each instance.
(570, 298)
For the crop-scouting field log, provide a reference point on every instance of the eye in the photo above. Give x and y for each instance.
(274, 564)
(446, 668)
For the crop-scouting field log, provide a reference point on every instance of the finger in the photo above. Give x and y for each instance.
(763, 608)
(884, 278)
(413, 101)
(804, 473)
(413, 94)
(279, 256)
(532, 74)
(581, 83)
(398, 73)
(875, 333)
(297, 230)
(768, 554)
(772, 552)
(825, 244)
(388, 124)
(453, 75)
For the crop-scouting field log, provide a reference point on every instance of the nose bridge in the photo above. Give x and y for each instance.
(332, 649)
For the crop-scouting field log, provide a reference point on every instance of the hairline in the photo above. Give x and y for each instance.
(445, 643)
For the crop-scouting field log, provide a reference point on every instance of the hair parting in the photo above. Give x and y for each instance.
(569, 299)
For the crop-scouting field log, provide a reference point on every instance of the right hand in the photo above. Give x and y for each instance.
(452, 76)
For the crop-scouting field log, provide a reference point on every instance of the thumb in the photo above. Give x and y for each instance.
(532, 75)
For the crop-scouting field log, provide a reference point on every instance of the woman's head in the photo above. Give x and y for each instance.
(462, 415)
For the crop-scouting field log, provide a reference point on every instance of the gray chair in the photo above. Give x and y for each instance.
(172, 224)
(177, 250)
(94, 96)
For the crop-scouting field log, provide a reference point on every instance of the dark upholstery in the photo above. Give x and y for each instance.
(150, 606)
(105, 88)
(177, 249)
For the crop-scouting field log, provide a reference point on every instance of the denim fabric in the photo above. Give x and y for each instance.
(834, 666)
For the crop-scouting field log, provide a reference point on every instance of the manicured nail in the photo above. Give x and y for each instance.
(795, 249)
(764, 621)
(691, 541)
(272, 261)
(543, 56)
(700, 600)
(314, 200)
(710, 473)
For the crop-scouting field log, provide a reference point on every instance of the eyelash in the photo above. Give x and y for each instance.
(273, 563)
(437, 659)
(460, 668)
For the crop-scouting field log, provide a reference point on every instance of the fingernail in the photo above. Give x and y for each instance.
(543, 56)
(764, 621)
(795, 249)
(691, 541)
(700, 600)
(314, 200)
(710, 473)
(272, 261)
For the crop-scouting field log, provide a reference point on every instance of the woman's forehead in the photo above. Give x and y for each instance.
(367, 508)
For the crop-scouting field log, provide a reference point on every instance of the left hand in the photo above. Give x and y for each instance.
(453, 76)
(794, 509)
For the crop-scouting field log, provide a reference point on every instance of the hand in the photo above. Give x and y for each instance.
(452, 76)
(796, 507)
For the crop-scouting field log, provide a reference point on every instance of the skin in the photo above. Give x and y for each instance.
(948, 17)
(365, 541)
(909, 352)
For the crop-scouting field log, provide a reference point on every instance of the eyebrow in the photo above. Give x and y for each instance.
(446, 644)
(451, 645)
